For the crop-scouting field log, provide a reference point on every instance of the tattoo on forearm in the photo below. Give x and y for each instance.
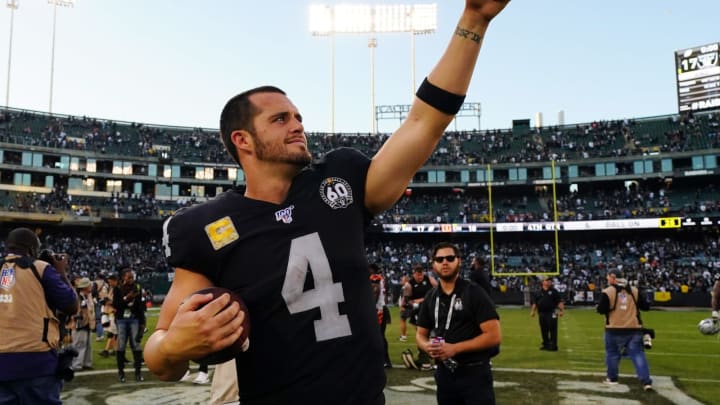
(462, 32)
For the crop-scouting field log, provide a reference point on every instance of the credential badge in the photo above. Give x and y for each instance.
(336, 192)
(458, 304)
(7, 277)
(221, 233)
(284, 215)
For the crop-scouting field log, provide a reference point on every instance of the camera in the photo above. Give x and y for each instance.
(647, 341)
(49, 256)
(451, 364)
(65, 357)
(648, 335)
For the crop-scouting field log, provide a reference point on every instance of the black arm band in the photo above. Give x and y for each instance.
(439, 99)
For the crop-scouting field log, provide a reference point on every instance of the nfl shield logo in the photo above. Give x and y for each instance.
(7, 278)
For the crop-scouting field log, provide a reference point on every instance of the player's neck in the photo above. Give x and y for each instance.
(269, 191)
(270, 184)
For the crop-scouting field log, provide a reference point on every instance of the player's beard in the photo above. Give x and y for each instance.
(449, 277)
(272, 152)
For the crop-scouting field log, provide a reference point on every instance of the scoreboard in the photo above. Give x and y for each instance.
(698, 78)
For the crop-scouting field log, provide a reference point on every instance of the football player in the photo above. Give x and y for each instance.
(291, 243)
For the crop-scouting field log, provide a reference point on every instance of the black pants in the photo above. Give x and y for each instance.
(548, 330)
(383, 327)
(467, 385)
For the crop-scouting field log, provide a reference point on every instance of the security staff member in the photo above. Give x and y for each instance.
(548, 303)
(413, 295)
(30, 291)
(459, 327)
(479, 274)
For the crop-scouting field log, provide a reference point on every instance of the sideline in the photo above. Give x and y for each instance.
(409, 395)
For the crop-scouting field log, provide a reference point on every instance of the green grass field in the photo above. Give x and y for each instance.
(523, 374)
(679, 351)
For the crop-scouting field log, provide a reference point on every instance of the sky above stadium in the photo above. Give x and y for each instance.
(176, 62)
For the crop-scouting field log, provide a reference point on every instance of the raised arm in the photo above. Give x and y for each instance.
(438, 100)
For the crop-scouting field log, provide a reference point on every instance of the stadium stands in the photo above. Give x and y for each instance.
(114, 182)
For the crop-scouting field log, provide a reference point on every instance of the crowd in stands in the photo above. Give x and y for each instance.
(428, 206)
(653, 262)
(661, 263)
(597, 139)
(58, 201)
(648, 199)
(478, 147)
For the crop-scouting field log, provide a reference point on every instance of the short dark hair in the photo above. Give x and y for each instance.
(617, 273)
(238, 113)
(418, 268)
(443, 245)
(374, 267)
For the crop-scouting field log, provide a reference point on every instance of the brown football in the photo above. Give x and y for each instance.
(242, 343)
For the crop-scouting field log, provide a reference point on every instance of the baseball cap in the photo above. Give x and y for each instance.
(83, 283)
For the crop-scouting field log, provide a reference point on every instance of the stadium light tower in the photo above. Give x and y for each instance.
(371, 19)
(55, 4)
(12, 5)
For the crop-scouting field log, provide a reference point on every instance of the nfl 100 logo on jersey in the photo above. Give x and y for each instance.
(7, 277)
(284, 215)
(336, 192)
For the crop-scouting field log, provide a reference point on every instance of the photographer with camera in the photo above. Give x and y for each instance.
(83, 324)
(621, 305)
(31, 291)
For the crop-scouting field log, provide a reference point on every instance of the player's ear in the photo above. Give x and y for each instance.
(242, 140)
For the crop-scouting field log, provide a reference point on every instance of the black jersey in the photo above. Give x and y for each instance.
(419, 289)
(467, 306)
(546, 300)
(302, 271)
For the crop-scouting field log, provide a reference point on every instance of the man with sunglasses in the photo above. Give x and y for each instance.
(459, 327)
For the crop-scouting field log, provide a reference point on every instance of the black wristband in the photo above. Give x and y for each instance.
(441, 100)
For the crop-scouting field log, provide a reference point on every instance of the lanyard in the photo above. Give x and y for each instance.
(450, 311)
